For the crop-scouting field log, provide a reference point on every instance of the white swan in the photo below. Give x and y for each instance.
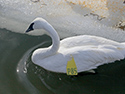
(88, 51)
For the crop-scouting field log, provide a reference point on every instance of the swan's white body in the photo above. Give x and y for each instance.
(88, 51)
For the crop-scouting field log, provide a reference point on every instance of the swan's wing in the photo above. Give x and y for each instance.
(91, 58)
(84, 40)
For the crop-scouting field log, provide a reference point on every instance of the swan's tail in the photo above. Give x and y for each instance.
(123, 43)
(122, 48)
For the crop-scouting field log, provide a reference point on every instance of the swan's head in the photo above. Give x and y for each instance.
(38, 23)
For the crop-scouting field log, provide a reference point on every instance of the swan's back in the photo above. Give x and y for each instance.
(85, 40)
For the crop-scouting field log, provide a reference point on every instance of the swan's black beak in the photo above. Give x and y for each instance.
(30, 28)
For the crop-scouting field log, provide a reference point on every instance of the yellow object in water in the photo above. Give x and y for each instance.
(71, 67)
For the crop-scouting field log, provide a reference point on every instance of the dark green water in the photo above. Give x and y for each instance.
(18, 75)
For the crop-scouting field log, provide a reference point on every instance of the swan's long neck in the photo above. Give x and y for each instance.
(55, 39)
(46, 52)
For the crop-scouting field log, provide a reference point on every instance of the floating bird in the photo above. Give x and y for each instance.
(86, 51)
